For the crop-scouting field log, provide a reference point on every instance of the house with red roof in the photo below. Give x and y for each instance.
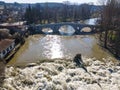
(6, 46)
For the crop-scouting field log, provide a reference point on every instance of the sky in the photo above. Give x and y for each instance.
(40, 1)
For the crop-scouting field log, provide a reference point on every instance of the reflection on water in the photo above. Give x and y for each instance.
(52, 47)
(67, 30)
(91, 21)
(39, 47)
(47, 30)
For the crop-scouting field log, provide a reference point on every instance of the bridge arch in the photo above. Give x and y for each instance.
(47, 30)
(66, 30)
(86, 29)
(77, 28)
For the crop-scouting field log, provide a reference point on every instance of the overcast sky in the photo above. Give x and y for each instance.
(39, 1)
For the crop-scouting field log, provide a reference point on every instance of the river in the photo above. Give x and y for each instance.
(41, 47)
(55, 70)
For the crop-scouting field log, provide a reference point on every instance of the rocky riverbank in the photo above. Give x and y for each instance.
(64, 75)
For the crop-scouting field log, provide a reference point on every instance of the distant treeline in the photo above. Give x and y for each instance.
(46, 13)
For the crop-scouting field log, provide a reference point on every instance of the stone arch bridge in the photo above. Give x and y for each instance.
(55, 27)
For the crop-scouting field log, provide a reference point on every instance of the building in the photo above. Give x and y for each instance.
(6, 46)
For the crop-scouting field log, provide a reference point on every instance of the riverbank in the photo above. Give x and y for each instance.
(64, 75)
(2, 72)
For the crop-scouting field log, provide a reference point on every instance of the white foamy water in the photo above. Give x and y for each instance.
(64, 75)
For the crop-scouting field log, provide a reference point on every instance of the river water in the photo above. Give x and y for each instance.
(61, 73)
(40, 47)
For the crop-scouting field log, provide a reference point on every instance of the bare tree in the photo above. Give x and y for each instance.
(110, 24)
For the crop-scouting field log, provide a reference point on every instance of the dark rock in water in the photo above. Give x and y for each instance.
(31, 65)
(94, 72)
(79, 62)
(110, 70)
(118, 64)
(68, 80)
(60, 68)
(72, 74)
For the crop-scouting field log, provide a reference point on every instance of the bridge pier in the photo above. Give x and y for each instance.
(38, 29)
(55, 29)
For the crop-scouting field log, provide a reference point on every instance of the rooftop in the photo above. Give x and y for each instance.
(5, 43)
(4, 30)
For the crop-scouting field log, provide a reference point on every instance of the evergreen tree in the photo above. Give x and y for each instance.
(29, 15)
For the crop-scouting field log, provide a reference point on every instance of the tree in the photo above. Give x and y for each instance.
(47, 12)
(37, 13)
(85, 11)
(65, 11)
(29, 15)
(55, 14)
(33, 14)
(110, 24)
(107, 17)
